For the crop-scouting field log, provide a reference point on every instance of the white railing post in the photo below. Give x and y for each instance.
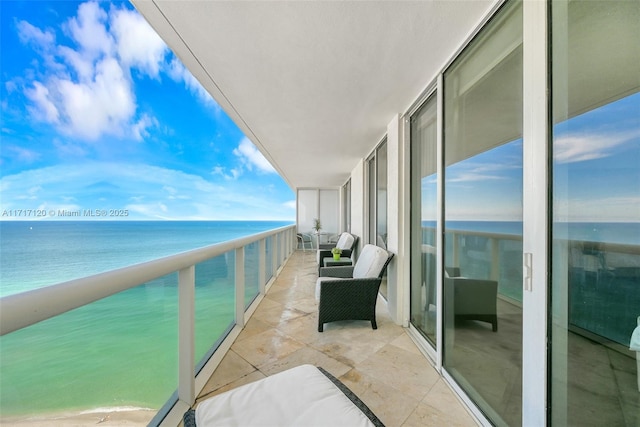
(186, 334)
(239, 286)
(262, 274)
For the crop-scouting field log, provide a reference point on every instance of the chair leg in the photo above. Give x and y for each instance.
(320, 326)
(374, 325)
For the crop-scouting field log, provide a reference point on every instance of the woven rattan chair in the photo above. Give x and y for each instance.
(347, 242)
(351, 292)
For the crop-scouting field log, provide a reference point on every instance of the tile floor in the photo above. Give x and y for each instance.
(383, 367)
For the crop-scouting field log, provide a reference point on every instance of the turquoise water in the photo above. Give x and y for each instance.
(121, 351)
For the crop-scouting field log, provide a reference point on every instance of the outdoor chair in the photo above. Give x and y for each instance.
(473, 299)
(347, 242)
(351, 292)
(305, 239)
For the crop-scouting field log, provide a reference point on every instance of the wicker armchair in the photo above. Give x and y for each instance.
(351, 292)
(347, 242)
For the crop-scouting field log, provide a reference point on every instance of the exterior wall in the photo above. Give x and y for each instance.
(395, 224)
(358, 203)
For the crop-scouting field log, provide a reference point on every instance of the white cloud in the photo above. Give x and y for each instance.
(476, 172)
(34, 35)
(89, 31)
(179, 73)
(85, 89)
(291, 204)
(139, 130)
(44, 109)
(150, 192)
(105, 105)
(23, 154)
(251, 157)
(579, 148)
(138, 45)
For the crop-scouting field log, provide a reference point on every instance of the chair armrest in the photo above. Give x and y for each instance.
(345, 292)
(323, 253)
(346, 253)
(343, 271)
(326, 245)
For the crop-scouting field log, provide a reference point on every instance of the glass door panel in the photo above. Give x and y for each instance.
(482, 287)
(595, 253)
(424, 301)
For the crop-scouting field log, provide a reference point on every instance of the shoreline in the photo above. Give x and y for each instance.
(124, 416)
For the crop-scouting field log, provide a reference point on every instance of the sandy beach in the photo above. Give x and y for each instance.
(104, 417)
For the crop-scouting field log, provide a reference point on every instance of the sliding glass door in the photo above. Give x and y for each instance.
(595, 260)
(424, 301)
(483, 189)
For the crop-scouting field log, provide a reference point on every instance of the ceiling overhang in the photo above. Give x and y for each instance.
(314, 84)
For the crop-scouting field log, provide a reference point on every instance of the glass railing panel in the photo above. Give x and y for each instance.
(251, 272)
(215, 303)
(118, 352)
(510, 268)
(604, 296)
(268, 262)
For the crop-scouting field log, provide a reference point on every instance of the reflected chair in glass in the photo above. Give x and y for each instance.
(472, 299)
(351, 292)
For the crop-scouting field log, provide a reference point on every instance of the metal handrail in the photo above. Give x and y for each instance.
(27, 308)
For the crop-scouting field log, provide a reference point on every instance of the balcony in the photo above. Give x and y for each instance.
(274, 331)
(383, 367)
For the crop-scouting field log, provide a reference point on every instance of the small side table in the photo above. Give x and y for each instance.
(331, 262)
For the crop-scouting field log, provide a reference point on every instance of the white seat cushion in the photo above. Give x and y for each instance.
(301, 396)
(345, 241)
(370, 263)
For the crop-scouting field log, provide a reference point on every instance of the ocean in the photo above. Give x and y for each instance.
(120, 352)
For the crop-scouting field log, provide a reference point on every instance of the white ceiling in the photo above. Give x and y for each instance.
(314, 84)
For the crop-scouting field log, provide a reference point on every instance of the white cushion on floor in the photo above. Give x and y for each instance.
(301, 396)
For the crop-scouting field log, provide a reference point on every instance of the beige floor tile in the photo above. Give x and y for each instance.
(266, 347)
(405, 343)
(277, 314)
(306, 355)
(441, 396)
(389, 404)
(247, 379)
(231, 368)
(253, 327)
(429, 416)
(406, 371)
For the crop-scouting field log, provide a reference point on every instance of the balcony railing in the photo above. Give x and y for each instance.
(253, 261)
(602, 279)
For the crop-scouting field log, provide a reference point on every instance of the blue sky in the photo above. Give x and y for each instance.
(97, 113)
(596, 173)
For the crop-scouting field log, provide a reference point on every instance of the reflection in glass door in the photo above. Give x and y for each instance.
(482, 287)
(424, 302)
(595, 285)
